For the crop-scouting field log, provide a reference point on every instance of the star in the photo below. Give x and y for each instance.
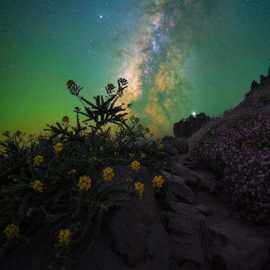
(100, 16)
(194, 114)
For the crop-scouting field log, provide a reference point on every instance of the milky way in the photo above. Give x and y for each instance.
(180, 57)
(156, 61)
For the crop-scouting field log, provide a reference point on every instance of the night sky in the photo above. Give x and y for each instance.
(179, 56)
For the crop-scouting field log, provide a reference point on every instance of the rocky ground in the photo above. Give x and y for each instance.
(191, 225)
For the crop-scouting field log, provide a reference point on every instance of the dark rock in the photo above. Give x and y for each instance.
(101, 257)
(169, 145)
(30, 255)
(189, 176)
(177, 190)
(173, 178)
(233, 249)
(170, 149)
(254, 85)
(186, 227)
(181, 145)
(167, 140)
(174, 145)
(187, 127)
(204, 209)
(190, 266)
(263, 79)
(137, 233)
(207, 181)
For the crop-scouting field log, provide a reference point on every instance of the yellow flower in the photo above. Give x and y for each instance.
(139, 188)
(11, 231)
(108, 174)
(158, 181)
(64, 237)
(135, 165)
(37, 186)
(58, 148)
(85, 183)
(38, 160)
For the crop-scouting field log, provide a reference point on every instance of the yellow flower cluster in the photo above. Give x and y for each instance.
(139, 188)
(135, 165)
(38, 160)
(11, 231)
(85, 183)
(158, 181)
(58, 148)
(108, 174)
(64, 237)
(37, 186)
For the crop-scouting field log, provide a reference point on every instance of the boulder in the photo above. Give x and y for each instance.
(136, 230)
(186, 227)
(177, 190)
(187, 127)
(234, 247)
(254, 85)
(169, 146)
(181, 145)
(203, 209)
(190, 177)
(174, 145)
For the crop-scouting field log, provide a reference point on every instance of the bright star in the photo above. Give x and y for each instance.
(100, 16)
(194, 114)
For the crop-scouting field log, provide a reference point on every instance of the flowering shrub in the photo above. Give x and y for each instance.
(238, 150)
(77, 186)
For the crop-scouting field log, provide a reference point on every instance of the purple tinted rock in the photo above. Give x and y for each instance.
(187, 127)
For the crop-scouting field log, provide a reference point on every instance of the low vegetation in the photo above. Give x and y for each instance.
(67, 180)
